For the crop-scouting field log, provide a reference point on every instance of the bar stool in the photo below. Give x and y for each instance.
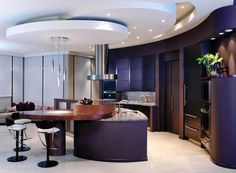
(17, 120)
(47, 128)
(15, 128)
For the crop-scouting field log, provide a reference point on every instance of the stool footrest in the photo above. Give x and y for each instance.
(47, 164)
(22, 149)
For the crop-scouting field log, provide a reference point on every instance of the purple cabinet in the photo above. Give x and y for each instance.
(148, 73)
(134, 74)
(123, 72)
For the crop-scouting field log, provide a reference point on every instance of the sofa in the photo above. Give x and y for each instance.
(7, 109)
(5, 102)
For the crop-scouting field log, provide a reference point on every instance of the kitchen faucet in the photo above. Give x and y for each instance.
(122, 101)
(143, 98)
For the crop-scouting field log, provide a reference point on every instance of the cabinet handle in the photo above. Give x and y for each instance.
(192, 116)
(172, 103)
(185, 95)
(190, 128)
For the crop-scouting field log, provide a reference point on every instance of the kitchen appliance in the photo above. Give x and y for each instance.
(109, 89)
(101, 55)
(205, 91)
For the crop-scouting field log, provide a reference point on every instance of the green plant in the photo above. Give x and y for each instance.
(210, 60)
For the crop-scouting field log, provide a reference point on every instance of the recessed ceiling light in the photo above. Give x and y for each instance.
(138, 37)
(122, 42)
(213, 38)
(56, 47)
(182, 6)
(150, 30)
(42, 50)
(163, 21)
(221, 33)
(129, 33)
(92, 49)
(135, 27)
(228, 30)
(108, 14)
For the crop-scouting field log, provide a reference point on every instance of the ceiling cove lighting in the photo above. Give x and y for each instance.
(158, 36)
(229, 30)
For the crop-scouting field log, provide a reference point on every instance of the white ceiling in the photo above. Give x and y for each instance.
(143, 18)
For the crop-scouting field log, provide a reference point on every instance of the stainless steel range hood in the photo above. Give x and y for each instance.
(101, 55)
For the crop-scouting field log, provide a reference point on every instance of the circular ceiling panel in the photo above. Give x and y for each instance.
(83, 32)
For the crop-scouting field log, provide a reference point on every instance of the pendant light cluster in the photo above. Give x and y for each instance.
(59, 46)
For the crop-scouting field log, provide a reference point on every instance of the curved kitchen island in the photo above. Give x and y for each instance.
(121, 138)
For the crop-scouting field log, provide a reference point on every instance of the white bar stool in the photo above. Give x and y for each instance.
(47, 128)
(15, 129)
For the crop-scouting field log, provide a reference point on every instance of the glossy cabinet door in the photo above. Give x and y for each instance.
(123, 72)
(148, 73)
(136, 75)
(192, 92)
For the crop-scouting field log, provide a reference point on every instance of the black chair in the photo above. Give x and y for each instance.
(15, 129)
(48, 129)
(17, 120)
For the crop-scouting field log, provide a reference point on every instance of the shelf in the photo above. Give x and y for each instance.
(206, 132)
(206, 143)
(205, 78)
(205, 102)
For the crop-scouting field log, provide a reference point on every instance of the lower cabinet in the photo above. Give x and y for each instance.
(193, 127)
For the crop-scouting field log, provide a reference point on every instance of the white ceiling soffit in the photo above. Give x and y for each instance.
(146, 20)
(81, 32)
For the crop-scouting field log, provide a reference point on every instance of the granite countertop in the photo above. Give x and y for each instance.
(127, 115)
(137, 103)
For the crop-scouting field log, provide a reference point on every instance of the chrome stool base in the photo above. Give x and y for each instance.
(48, 164)
(16, 158)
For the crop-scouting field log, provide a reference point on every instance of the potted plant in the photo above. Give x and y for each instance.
(211, 62)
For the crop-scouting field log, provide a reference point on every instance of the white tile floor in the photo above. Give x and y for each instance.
(166, 154)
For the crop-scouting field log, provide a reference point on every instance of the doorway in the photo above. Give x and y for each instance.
(169, 100)
(172, 96)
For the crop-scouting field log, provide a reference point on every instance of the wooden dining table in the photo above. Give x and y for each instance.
(80, 113)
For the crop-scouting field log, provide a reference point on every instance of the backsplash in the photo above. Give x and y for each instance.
(140, 96)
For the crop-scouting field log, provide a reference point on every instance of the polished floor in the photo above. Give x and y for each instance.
(166, 154)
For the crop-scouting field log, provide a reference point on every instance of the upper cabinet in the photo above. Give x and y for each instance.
(149, 73)
(134, 74)
(123, 72)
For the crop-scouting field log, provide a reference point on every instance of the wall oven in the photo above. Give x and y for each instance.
(205, 91)
(109, 89)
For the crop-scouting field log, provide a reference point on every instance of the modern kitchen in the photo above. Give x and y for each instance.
(130, 86)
